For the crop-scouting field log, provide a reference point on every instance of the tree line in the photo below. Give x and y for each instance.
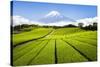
(88, 27)
(27, 27)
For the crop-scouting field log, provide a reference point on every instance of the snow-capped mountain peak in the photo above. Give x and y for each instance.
(53, 13)
(55, 16)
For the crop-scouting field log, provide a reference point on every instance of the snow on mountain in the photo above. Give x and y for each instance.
(55, 16)
(53, 13)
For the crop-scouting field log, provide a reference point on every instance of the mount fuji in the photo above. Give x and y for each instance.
(55, 16)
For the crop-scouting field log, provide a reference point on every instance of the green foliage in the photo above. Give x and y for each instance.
(88, 50)
(25, 36)
(60, 45)
(66, 53)
(46, 54)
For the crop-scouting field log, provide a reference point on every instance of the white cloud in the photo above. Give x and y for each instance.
(61, 23)
(87, 21)
(21, 20)
(17, 20)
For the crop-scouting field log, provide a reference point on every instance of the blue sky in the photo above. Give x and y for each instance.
(36, 10)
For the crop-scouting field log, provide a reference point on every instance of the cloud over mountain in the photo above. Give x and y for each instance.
(52, 18)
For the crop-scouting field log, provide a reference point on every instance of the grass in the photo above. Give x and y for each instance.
(62, 45)
(37, 33)
(46, 54)
(87, 50)
(66, 53)
(21, 50)
(26, 58)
